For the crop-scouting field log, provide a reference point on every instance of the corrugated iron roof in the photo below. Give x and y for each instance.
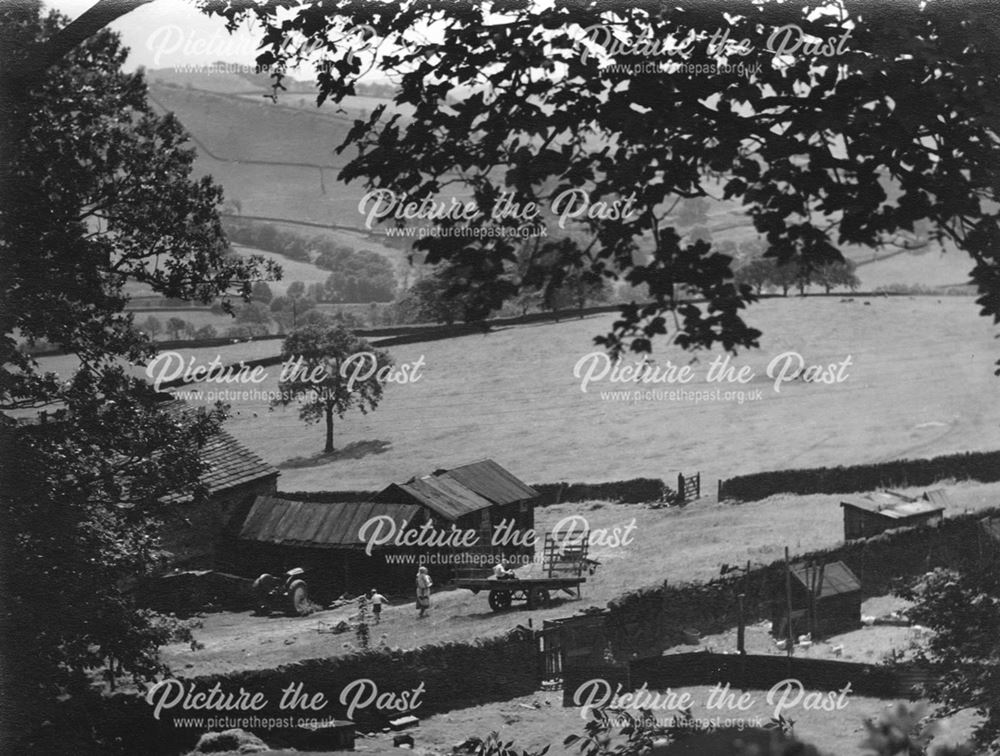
(460, 491)
(446, 496)
(837, 579)
(892, 505)
(491, 481)
(307, 523)
(938, 497)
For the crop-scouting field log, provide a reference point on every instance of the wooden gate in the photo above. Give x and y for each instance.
(550, 657)
(572, 642)
(689, 487)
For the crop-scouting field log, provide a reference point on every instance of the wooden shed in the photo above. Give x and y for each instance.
(831, 591)
(325, 538)
(874, 513)
(480, 496)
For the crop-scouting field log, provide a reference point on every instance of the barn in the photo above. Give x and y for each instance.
(194, 534)
(874, 513)
(832, 591)
(325, 537)
(479, 496)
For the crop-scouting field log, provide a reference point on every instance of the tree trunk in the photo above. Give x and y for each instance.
(329, 430)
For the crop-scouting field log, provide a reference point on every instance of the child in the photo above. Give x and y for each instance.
(377, 600)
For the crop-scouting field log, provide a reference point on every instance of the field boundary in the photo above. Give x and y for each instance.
(505, 664)
(981, 466)
(635, 490)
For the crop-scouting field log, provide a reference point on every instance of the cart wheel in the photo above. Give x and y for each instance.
(499, 600)
(298, 596)
(538, 597)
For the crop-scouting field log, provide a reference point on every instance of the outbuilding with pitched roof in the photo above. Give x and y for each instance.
(326, 537)
(874, 513)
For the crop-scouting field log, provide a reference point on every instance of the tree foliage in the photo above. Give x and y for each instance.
(963, 611)
(836, 274)
(97, 195)
(175, 327)
(358, 275)
(757, 273)
(765, 272)
(289, 311)
(262, 293)
(334, 389)
(893, 127)
(267, 237)
(429, 301)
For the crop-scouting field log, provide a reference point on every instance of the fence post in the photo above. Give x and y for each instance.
(719, 495)
(698, 481)
(680, 488)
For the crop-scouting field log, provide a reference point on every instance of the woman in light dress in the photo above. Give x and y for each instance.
(424, 584)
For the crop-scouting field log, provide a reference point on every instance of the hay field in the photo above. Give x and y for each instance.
(920, 383)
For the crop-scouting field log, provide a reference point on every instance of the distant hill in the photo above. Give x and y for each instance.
(272, 160)
(278, 161)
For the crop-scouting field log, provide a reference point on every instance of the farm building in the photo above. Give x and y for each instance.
(871, 514)
(478, 496)
(325, 537)
(233, 477)
(832, 591)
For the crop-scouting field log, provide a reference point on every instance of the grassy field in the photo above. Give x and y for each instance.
(238, 130)
(241, 129)
(919, 385)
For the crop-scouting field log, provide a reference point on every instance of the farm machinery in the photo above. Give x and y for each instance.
(288, 593)
(565, 566)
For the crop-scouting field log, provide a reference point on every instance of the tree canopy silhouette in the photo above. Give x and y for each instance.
(833, 123)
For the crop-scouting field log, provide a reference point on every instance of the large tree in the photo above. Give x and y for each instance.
(962, 609)
(97, 197)
(335, 371)
(845, 122)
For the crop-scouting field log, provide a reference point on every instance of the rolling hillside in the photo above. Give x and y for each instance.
(278, 161)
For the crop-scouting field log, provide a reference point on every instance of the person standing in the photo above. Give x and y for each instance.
(377, 600)
(424, 584)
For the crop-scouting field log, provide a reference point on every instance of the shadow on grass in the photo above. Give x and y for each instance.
(356, 450)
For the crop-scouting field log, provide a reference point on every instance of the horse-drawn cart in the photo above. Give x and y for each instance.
(564, 564)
